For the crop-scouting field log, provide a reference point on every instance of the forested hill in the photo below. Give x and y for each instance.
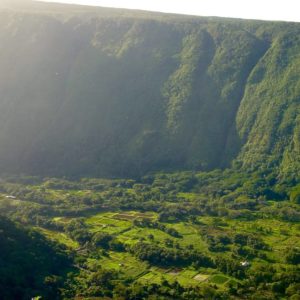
(89, 91)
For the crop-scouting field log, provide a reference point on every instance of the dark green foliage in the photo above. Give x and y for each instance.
(230, 266)
(236, 232)
(170, 257)
(147, 223)
(29, 264)
(293, 256)
(116, 93)
(78, 231)
(102, 240)
(295, 194)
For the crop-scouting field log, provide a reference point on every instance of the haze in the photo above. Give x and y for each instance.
(256, 9)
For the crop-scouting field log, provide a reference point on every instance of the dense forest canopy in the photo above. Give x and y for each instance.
(107, 92)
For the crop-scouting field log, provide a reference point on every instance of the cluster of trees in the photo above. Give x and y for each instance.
(79, 232)
(30, 265)
(269, 282)
(220, 242)
(228, 193)
(156, 225)
(162, 256)
(107, 284)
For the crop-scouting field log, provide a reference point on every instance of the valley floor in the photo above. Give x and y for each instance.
(166, 236)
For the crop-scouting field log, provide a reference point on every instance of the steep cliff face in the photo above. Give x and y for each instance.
(112, 93)
(268, 119)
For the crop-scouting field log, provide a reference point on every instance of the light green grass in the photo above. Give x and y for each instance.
(184, 276)
(188, 196)
(201, 277)
(124, 262)
(59, 237)
(279, 235)
(105, 222)
(219, 279)
(135, 234)
(190, 236)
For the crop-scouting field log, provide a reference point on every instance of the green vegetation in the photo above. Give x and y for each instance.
(185, 235)
(199, 116)
(29, 264)
(114, 93)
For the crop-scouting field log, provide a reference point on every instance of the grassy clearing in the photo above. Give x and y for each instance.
(105, 222)
(201, 277)
(121, 226)
(219, 279)
(186, 277)
(59, 237)
(129, 266)
(278, 235)
(135, 234)
(133, 215)
(188, 196)
(190, 236)
(123, 262)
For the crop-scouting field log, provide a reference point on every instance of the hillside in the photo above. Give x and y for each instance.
(147, 155)
(30, 265)
(104, 92)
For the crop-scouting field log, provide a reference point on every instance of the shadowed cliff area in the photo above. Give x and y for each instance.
(106, 92)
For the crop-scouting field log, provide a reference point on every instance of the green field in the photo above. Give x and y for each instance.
(149, 239)
(120, 225)
(59, 237)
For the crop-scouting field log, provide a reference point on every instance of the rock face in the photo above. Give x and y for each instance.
(115, 93)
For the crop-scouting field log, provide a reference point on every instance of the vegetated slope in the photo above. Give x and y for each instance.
(29, 264)
(115, 93)
(269, 117)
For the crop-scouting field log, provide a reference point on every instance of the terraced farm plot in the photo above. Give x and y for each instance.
(201, 277)
(135, 234)
(279, 235)
(123, 262)
(124, 217)
(123, 229)
(59, 237)
(105, 222)
(186, 277)
(219, 279)
(133, 216)
(190, 236)
(151, 277)
(119, 223)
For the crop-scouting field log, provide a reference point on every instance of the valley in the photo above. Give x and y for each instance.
(147, 155)
(193, 242)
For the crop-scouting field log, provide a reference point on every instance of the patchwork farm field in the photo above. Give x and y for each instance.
(129, 240)
(121, 226)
